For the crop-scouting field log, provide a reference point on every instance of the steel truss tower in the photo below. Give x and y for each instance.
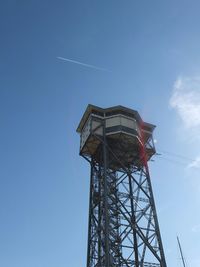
(123, 227)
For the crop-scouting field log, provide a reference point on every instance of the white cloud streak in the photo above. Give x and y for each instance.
(194, 262)
(82, 64)
(196, 228)
(185, 100)
(195, 163)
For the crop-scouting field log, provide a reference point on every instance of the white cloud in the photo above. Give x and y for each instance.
(196, 228)
(195, 262)
(185, 100)
(195, 163)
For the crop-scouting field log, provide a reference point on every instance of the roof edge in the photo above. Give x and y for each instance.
(90, 107)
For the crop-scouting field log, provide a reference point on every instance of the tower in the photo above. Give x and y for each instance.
(123, 228)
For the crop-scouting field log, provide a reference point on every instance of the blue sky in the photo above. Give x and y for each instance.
(150, 53)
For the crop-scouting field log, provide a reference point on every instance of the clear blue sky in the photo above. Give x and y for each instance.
(151, 49)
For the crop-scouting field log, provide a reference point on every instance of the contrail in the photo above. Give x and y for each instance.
(83, 64)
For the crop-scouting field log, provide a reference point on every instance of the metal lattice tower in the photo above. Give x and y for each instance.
(123, 227)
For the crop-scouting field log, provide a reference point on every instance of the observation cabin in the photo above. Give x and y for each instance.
(122, 129)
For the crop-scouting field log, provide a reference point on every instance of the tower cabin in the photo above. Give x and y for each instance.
(120, 128)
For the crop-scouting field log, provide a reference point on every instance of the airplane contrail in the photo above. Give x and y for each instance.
(83, 64)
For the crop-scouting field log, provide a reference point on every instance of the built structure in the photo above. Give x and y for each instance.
(123, 227)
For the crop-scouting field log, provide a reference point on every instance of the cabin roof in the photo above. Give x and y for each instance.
(104, 112)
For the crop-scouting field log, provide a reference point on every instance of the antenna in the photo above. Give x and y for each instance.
(181, 252)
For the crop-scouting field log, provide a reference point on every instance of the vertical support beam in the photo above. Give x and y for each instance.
(89, 218)
(133, 223)
(105, 198)
(99, 218)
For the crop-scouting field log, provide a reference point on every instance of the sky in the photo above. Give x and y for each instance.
(56, 57)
